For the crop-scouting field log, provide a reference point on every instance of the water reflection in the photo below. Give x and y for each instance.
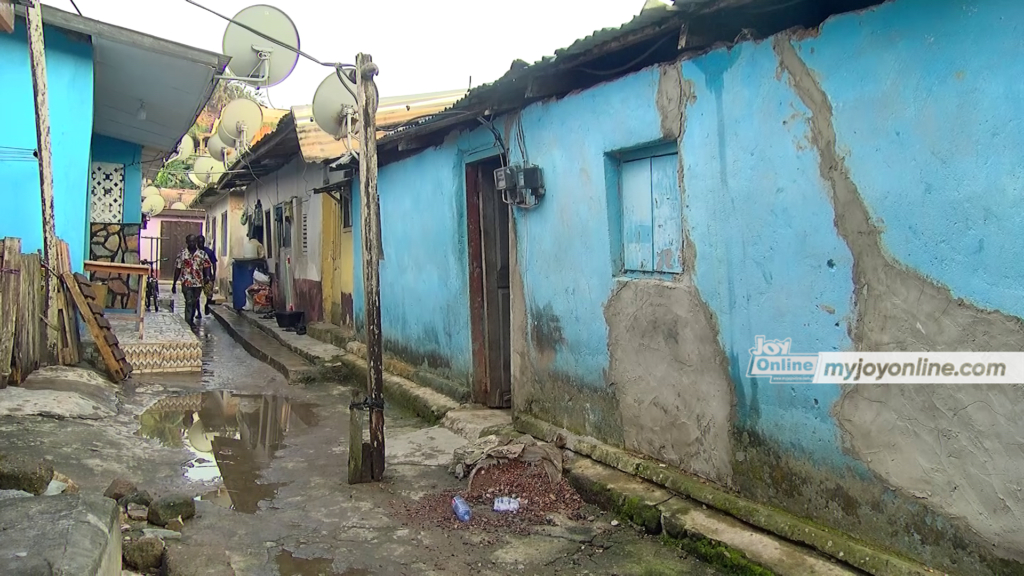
(233, 437)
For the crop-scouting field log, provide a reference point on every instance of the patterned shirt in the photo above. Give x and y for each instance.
(192, 266)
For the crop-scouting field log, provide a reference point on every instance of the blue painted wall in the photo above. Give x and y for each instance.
(935, 131)
(761, 222)
(107, 149)
(70, 89)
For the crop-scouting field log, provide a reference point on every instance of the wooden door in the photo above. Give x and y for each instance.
(490, 293)
(174, 233)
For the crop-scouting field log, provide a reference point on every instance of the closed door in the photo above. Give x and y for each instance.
(174, 233)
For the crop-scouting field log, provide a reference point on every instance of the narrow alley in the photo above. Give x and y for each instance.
(271, 496)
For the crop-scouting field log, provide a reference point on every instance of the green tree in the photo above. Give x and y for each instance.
(175, 174)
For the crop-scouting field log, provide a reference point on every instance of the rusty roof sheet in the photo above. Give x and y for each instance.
(315, 145)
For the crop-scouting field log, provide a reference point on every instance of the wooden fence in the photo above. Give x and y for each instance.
(23, 334)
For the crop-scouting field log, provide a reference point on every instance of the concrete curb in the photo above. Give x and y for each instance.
(291, 366)
(424, 402)
(828, 542)
(712, 536)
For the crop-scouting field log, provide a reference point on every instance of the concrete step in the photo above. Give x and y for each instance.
(712, 536)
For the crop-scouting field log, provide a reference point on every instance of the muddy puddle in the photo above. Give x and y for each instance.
(289, 565)
(232, 438)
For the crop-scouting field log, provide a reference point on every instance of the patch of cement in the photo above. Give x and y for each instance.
(471, 422)
(52, 403)
(428, 447)
(669, 376)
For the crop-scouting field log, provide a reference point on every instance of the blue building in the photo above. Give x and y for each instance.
(119, 102)
(843, 174)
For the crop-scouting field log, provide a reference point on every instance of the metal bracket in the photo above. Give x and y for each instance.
(367, 404)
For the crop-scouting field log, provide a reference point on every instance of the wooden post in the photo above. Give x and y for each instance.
(37, 61)
(367, 100)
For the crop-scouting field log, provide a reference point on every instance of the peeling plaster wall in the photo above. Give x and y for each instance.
(851, 189)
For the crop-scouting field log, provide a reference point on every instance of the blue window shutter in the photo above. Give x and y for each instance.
(667, 214)
(637, 232)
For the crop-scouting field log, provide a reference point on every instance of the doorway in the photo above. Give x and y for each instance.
(489, 289)
(173, 233)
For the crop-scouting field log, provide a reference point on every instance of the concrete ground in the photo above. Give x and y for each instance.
(268, 462)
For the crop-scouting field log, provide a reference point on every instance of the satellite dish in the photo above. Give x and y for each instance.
(240, 120)
(153, 205)
(254, 59)
(204, 169)
(330, 103)
(150, 191)
(217, 148)
(179, 206)
(185, 149)
(195, 180)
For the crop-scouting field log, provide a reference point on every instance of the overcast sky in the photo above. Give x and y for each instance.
(420, 45)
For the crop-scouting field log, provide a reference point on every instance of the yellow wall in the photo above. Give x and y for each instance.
(336, 272)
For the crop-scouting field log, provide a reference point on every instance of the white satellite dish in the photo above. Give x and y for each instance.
(217, 148)
(179, 206)
(240, 121)
(217, 172)
(153, 205)
(150, 191)
(334, 106)
(185, 149)
(204, 168)
(195, 180)
(254, 59)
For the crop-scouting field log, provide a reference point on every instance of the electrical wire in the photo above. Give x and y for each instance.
(631, 64)
(268, 38)
(76, 8)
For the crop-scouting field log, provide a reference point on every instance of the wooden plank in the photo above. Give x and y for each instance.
(106, 351)
(10, 289)
(367, 101)
(115, 268)
(29, 344)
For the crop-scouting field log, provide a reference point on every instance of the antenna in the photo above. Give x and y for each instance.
(334, 106)
(153, 205)
(240, 122)
(204, 169)
(185, 149)
(254, 59)
(217, 148)
(149, 191)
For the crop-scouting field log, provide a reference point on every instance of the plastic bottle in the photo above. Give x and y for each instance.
(461, 509)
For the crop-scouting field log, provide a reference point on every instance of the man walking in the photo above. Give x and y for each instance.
(208, 285)
(193, 269)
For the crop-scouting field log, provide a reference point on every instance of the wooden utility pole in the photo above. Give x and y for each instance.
(37, 61)
(367, 100)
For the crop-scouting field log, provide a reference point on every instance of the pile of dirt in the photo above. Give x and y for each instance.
(539, 498)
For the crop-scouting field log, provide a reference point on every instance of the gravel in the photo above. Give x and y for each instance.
(538, 499)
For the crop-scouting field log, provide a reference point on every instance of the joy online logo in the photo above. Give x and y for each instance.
(772, 359)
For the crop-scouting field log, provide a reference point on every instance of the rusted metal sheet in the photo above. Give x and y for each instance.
(317, 145)
(6, 16)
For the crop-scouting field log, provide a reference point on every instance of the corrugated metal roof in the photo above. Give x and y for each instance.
(316, 145)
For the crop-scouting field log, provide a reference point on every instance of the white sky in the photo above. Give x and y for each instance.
(419, 45)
